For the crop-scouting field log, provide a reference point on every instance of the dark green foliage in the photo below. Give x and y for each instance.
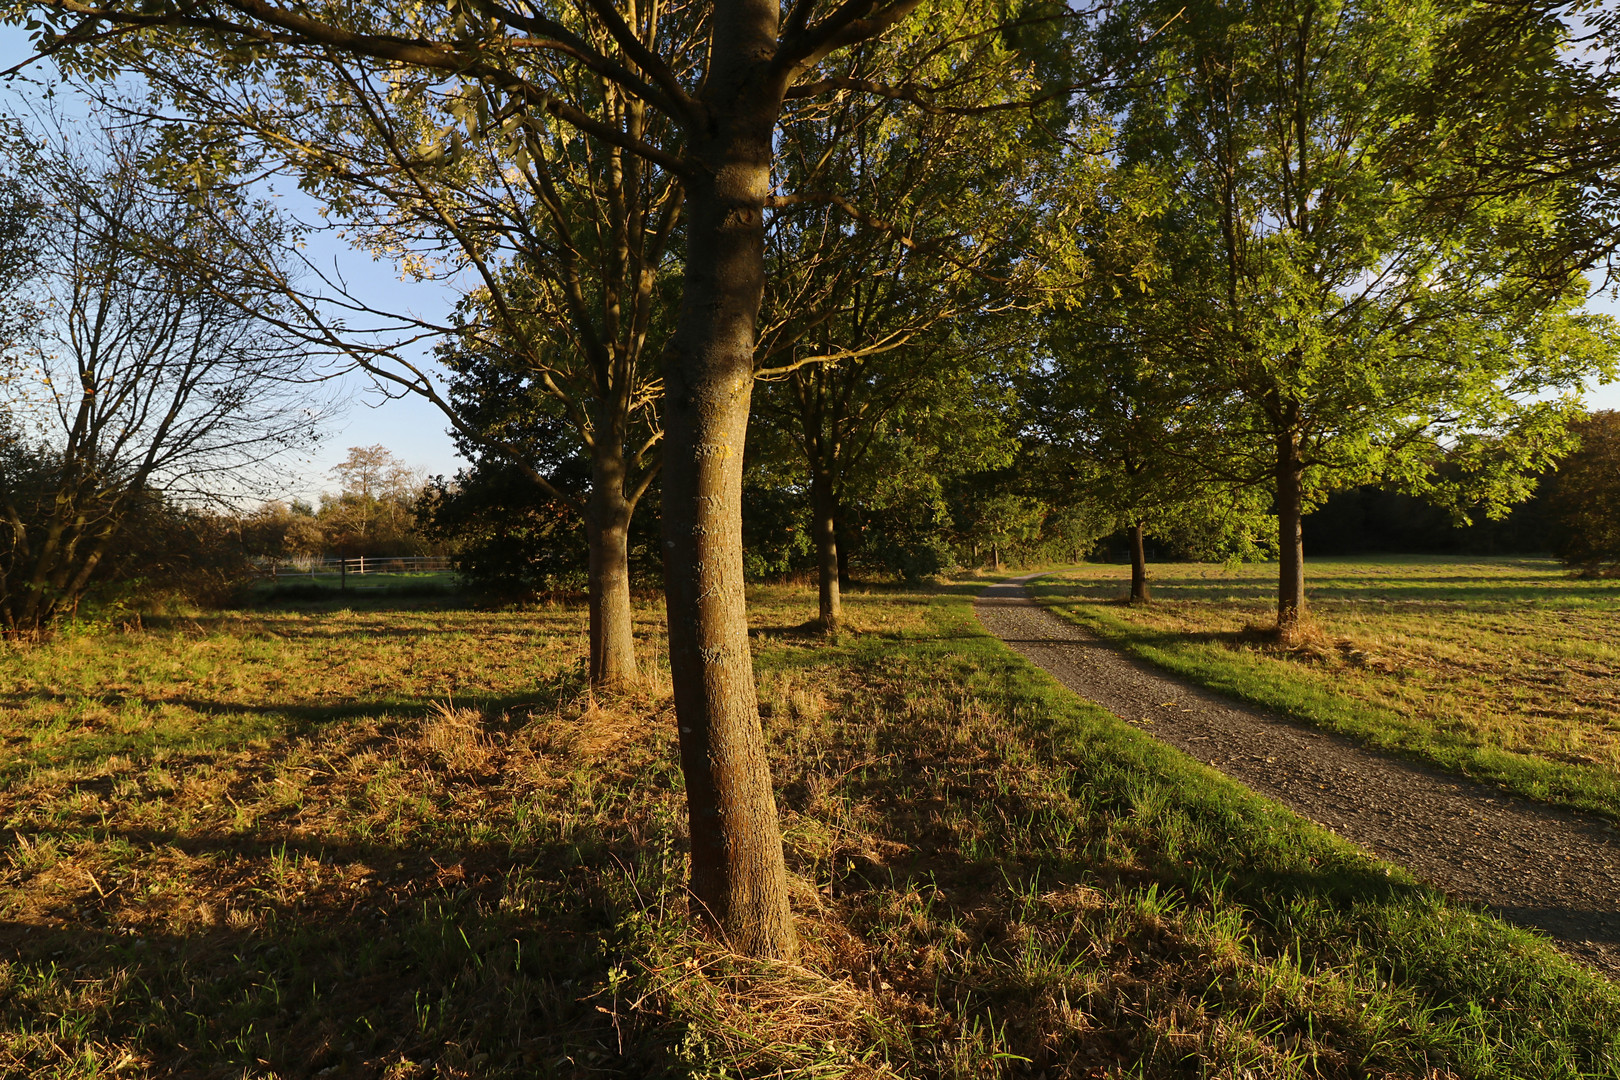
(510, 536)
(907, 545)
(1371, 519)
(163, 549)
(775, 538)
(1585, 503)
(170, 551)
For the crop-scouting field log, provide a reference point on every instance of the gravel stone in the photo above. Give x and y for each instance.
(1539, 866)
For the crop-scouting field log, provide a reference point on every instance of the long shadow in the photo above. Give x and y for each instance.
(1597, 925)
(470, 622)
(279, 720)
(303, 718)
(475, 959)
(291, 951)
(320, 633)
(809, 630)
(1405, 590)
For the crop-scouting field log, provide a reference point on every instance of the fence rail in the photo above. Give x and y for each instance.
(311, 567)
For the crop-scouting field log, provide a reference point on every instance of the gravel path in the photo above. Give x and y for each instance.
(1535, 865)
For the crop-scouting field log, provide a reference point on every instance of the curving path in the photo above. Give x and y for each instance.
(1536, 865)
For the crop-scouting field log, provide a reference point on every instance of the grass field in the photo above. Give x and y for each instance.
(329, 586)
(374, 841)
(1504, 669)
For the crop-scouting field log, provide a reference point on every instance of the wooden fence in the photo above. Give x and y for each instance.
(312, 568)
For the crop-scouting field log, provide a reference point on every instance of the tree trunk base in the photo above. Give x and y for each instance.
(1299, 634)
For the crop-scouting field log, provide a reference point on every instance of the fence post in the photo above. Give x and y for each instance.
(343, 574)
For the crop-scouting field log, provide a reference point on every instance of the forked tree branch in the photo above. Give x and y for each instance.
(680, 106)
(854, 21)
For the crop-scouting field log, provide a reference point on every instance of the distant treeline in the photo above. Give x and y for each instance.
(1371, 520)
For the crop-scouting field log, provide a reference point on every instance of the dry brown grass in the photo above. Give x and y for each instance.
(429, 851)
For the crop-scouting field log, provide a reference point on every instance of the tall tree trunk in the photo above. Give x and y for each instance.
(607, 528)
(739, 879)
(1139, 582)
(824, 507)
(844, 544)
(1290, 537)
(995, 556)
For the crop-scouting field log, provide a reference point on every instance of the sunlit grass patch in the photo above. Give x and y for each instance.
(1503, 669)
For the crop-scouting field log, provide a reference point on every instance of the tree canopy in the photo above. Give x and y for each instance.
(1367, 303)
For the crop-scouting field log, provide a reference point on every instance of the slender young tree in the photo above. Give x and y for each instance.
(1114, 399)
(560, 243)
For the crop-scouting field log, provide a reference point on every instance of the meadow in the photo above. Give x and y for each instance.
(1502, 669)
(391, 585)
(401, 840)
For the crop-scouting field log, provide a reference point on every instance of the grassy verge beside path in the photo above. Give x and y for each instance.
(1501, 669)
(407, 844)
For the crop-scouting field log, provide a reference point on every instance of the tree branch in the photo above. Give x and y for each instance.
(854, 21)
(281, 26)
(680, 107)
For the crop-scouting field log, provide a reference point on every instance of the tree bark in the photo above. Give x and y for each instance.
(607, 528)
(1139, 581)
(844, 544)
(738, 878)
(1290, 537)
(824, 508)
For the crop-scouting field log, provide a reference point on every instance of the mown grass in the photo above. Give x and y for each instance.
(1502, 669)
(408, 844)
(362, 587)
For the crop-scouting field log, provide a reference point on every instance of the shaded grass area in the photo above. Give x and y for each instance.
(377, 878)
(360, 587)
(1504, 670)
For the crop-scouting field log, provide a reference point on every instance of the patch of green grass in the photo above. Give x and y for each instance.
(363, 587)
(992, 878)
(1504, 669)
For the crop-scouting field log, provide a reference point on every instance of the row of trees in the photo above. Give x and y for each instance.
(374, 512)
(1307, 272)
(1241, 253)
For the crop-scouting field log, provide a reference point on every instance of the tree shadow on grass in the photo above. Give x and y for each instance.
(349, 960)
(810, 630)
(259, 721)
(402, 901)
(1010, 981)
(1416, 589)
